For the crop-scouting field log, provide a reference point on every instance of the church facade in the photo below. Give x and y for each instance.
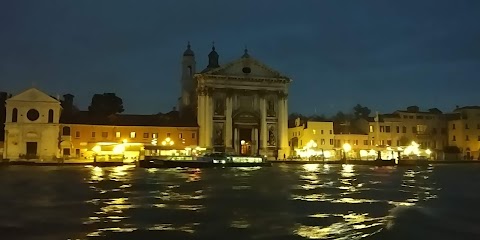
(241, 107)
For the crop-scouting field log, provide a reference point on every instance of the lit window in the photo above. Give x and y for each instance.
(133, 134)
(315, 131)
(145, 135)
(421, 128)
(356, 142)
(382, 128)
(77, 134)
(322, 142)
(180, 135)
(118, 134)
(371, 128)
(104, 134)
(154, 135)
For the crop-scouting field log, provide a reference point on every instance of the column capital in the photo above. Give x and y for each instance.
(282, 95)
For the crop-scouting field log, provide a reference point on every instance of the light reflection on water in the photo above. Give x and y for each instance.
(311, 201)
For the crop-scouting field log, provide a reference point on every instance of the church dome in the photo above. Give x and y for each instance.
(189, 51)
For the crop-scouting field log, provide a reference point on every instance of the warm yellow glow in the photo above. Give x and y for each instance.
(310, 167)
(97, 148)
(311, 144)
(164, 143)
(167, 139)
(347, 147)
(119, 149)
(412, 149)
(242, 142)
(363, 153)
(154, 141)
(428, 151)
(171, 143)
(327, 154)
(125, 141)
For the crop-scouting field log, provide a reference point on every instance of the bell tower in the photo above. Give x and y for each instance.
(187, 96)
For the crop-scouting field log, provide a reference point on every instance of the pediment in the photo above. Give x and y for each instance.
(246, 67)
(33, 95)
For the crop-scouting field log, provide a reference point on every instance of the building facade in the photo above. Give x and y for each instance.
(241, 107)
(321, 133)
(464, 131)
(36, 128)
(32, 126)
(399, 129)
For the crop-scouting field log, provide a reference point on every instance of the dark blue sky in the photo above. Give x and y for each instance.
(382, 54)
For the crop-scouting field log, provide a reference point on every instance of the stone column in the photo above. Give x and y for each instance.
(263, 126)
(228, 124)
(282, 127)
(235, 144)
(209, 120)
(255, 141)
(201, 118)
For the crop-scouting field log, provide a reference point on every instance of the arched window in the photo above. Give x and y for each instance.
(50, 116)
(66, 131)
(14, 115)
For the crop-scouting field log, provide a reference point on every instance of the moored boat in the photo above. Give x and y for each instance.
(212, 160)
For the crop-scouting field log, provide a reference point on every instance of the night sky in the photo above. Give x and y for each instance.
(386, 55)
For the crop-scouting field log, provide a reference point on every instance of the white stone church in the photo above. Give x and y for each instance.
(241, 106)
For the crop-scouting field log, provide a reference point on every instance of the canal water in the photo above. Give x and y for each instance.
(282, 202)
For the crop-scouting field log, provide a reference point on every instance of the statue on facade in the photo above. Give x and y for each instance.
(271, 108)
(219, 107)
(218, 136)
(271, 137)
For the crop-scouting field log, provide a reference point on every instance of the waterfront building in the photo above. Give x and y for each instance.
(32, 126)
(401, 128)
(241, 106)
(464, 131)
(314, 137)
(359, 147)
(36, 128)
(84, 135)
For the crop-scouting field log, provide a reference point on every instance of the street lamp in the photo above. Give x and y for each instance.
(167, 141)
(428, 152)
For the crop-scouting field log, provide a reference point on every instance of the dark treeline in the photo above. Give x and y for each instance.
(358, 112)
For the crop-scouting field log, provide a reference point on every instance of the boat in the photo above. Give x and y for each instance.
(209, 160)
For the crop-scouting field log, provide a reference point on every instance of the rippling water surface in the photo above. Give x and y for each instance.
(309, 201)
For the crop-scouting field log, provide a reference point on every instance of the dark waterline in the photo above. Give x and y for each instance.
(283, 202)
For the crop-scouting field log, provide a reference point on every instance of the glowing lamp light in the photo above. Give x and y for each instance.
(347, 147)
(171, 143)
(154, 142)
(164, 143)
(428, 151)
(125, 141)
(119, 149)
(242, 142)
(97, 149)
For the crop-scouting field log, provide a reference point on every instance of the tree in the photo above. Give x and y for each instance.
(318, 118)
(106, 104)
(67, 104)
(360, 111)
